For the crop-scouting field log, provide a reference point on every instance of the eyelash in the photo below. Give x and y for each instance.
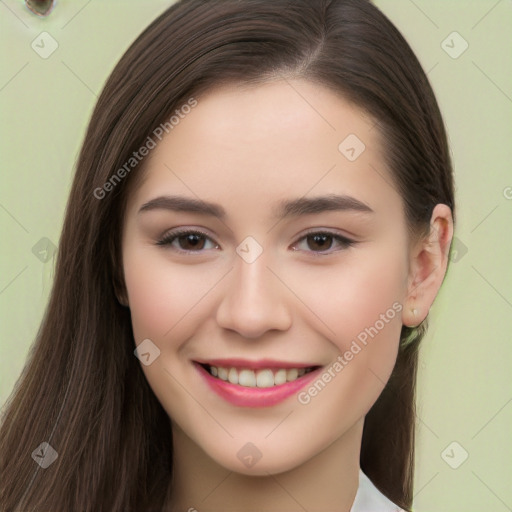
(170, 237)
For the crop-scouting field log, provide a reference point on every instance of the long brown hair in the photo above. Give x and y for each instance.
(82, 389)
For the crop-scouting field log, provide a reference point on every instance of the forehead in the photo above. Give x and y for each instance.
(250, 145)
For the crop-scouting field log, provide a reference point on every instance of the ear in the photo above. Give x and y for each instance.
(122, 299)
(427, 266)
(117, 277)
(120, 291)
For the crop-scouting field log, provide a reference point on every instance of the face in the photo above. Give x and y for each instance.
(289, 281)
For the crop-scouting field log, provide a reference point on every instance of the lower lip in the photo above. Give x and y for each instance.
(242, 396)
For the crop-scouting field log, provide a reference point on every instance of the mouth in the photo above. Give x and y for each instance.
(260, 378)
(255, 384)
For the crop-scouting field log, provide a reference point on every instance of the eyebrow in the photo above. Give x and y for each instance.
(310, 205)
(184, 204)
(286, 208)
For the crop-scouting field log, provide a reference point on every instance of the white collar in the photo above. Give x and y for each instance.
(370, 499)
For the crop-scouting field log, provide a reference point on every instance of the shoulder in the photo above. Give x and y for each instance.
(370, 499)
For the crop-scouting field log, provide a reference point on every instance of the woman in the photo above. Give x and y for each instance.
(259, 223)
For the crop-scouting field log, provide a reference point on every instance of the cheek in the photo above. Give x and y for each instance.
(163, 298)
(359, 312)
(164, 301)
(370, 310)
(352, 296)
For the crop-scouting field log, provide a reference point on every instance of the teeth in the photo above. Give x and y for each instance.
(222, 373)
(292, 374)
(280, 377)
(264, 378)
(247, 378)
(233, 376)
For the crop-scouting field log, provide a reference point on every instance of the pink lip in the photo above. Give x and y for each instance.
(255, 397)
(253, 365)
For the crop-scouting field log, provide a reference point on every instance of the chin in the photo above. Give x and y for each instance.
(261, 459)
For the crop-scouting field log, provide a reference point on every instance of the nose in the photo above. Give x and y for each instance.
(254, 300)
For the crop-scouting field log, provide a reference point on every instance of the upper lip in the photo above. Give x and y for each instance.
(261, 363)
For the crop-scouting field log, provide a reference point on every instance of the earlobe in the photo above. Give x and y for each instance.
(123, 301)
(428, 264)
(409, 318)
(120, 294)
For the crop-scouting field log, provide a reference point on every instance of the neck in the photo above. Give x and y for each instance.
(328, 481)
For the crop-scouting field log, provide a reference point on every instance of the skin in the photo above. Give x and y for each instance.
(247, 149)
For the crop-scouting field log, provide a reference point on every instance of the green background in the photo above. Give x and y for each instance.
(465, 389)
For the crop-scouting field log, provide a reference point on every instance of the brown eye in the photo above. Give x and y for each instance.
(192, 241)
(319, 243)
(187, 241)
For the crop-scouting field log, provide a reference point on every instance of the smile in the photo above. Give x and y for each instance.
(262, 384)
(264, 378)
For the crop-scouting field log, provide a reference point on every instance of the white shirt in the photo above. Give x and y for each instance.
(370, 499)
